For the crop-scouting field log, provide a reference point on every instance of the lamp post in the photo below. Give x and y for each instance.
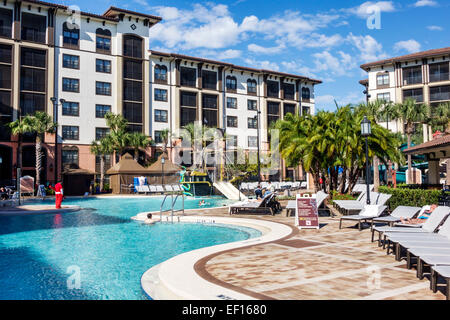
(55, 121)
(366, 131)
(163, 160)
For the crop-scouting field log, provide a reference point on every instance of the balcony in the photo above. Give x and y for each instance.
(436, 77)
(412, 80)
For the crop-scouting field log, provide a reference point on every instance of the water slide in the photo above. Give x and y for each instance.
(229, 191)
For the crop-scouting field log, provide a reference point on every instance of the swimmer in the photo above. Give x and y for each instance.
(151, 220)
(201, 203)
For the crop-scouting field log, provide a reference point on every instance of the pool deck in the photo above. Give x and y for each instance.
(28, 209)
(313, 264)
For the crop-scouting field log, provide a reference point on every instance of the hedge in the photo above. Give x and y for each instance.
(410, 197)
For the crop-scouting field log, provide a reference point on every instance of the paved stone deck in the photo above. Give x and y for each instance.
(317, 264)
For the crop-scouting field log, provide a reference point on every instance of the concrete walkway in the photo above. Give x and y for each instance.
(315, 264)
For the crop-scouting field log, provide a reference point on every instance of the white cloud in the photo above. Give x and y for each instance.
(220, 55)
(262, 64)
(435, 28)
(328, 100)
(335, 65)
(369, 48)
(425, 3)
(265, 50)
(409, 46)
(368, 8)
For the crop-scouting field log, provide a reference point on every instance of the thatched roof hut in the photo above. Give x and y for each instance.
(122, 173)
(171, 171)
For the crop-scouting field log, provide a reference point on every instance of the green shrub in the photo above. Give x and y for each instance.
(339, 196)
(410, 197)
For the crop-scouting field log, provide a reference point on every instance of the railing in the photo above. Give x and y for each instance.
(172, 205)
(412, 80)
(439, 77)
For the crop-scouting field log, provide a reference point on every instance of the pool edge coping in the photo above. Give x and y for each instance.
(165, 281)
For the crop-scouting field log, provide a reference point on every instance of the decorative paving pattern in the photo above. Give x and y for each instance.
(318, 264)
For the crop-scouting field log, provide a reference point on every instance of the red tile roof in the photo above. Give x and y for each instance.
(412, 56)
(436, 143)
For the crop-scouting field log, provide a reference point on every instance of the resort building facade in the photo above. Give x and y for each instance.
(77, 66)
(423, 76)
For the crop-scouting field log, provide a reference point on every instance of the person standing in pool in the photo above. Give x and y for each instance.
(59, 193)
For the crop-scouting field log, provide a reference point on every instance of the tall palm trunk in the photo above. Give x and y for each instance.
(411, 178)
(102, 171)
(136, 154)
(376, 174)
(38, 159)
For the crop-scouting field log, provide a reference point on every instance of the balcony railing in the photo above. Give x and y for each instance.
(412, 80)
(439, 77)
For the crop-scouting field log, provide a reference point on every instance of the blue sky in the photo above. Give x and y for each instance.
(327, 40)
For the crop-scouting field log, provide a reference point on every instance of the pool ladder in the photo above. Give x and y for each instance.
(172, 206)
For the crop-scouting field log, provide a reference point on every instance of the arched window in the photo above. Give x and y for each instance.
(160, 73)
(132, 46)
(103, 40)
(251, 86)
(71, 35)
(306, 94)
(231, 83)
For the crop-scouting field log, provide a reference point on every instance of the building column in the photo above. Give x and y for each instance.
(433, 172)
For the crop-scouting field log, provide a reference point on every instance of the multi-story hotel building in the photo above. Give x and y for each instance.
(53, 57)
(423, 76)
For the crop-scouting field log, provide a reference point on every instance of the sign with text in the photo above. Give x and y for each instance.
(306, 213)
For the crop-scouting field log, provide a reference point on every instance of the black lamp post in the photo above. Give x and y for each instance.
(366, 131)
(55, 121)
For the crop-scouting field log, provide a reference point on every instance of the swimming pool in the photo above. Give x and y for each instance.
(98, 252)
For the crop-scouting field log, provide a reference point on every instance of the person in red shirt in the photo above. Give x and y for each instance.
(59, 193)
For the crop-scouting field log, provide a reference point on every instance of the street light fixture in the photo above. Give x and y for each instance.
(55, 121)
(366, 131)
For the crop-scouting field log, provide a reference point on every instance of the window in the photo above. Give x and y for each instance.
(188, 76)
(273, 89)
(70, 132)
(160, 73)
(232, 121)
(134, 128)
(188, 110)
(231, 83)
(412, 75)
(71, 109)
(5, 53)
(231, 103)
(101, 110)
(273, 112)
(306, 111)
(103, 40)
(160, 95)
(71, 35)
(252, 105)
(101, 133)
(289, 91)
(158, 136)
(251, 86)
(289, 108)
(5, 23)
(33, 58)
(32, 80)
(71, 62)
(132, 90)
(383, 79)
(415, 94)
(31, 102)
(103, 66)
(33, 27)
(252, 123)
(440, 93)
(103, 88)
(439, 72)
(132, 69)
(71, 85)
(252, 142)
(232, 141)
(386, 96)
(132, 46)
(6, 110)
(70, 156)
(161, 115)
(209, 80)
(108, 162)
(132, 112)
(306, 94)
(209, 109)
(188, 99)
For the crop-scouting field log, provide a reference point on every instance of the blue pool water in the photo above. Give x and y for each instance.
(44, 256)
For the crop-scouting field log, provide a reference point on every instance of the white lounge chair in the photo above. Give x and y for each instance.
(443, 271)
(366, 214)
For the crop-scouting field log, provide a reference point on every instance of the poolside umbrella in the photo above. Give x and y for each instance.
(121, 175)
(171, 171)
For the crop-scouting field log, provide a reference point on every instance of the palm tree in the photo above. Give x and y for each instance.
(102, 148)
(411, 114)
(118, 132)
(165, 137)
(40, 123)
(441, 116)
(137, 141)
